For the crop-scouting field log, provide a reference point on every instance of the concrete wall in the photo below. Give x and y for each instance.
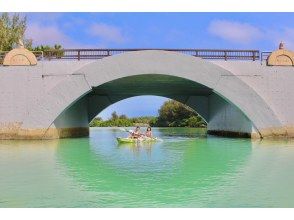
(53, 99)
(227, 120)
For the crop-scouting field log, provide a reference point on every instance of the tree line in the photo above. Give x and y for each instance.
(170, 114)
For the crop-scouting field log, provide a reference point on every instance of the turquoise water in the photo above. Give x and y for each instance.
(186, 169)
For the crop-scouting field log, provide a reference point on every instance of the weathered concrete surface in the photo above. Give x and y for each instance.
(57, 99)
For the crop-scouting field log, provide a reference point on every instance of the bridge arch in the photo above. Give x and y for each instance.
(218, 90)
(176, 88)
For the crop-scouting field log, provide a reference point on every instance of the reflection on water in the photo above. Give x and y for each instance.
(186, 169)
(138, 147)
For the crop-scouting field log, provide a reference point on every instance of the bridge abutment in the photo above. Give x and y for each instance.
(227, 120)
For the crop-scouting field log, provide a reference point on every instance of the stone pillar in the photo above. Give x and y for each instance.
(20, 57)
(281, 57)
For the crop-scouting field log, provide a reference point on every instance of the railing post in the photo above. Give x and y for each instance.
(79, 54)
(253, 53)
(226, 56)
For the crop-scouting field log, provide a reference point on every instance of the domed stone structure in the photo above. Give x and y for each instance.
(20, 57)
(281, 57)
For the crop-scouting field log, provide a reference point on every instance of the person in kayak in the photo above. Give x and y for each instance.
(148, 132)
(137, 133)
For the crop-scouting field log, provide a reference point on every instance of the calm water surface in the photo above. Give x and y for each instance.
(186, 169)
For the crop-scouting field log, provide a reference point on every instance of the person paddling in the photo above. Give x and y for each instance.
(148, 132)
(137, 133)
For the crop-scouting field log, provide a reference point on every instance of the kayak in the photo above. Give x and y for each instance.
(134, 140)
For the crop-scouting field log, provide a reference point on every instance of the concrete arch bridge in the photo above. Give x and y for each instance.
(57, 99)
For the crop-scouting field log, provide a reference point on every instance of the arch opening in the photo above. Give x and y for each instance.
(214, 109)
(146, 108)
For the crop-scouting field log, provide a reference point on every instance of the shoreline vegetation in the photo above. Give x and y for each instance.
(170, 114)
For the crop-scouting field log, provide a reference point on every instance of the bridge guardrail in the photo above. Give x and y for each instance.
(264, 56)
(80, 54)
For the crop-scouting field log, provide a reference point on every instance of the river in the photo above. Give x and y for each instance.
(185, 169)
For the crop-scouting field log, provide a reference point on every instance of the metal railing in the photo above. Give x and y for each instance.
(264, 55)
(80, 54)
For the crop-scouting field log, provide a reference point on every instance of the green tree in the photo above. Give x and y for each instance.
(114, 115)
(12, 29)
(153, 121)
(96, 122)
(121, 121)
(176, 114)
(123, 117)
(50, 52)
(42, 48)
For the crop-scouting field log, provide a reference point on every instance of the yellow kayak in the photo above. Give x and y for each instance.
(135, 140)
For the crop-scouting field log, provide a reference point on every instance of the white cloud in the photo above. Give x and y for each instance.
(236, 32)
(107, 33)
(51, 34)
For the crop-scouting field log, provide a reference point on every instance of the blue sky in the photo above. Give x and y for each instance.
(136, 106)
(261, 31)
